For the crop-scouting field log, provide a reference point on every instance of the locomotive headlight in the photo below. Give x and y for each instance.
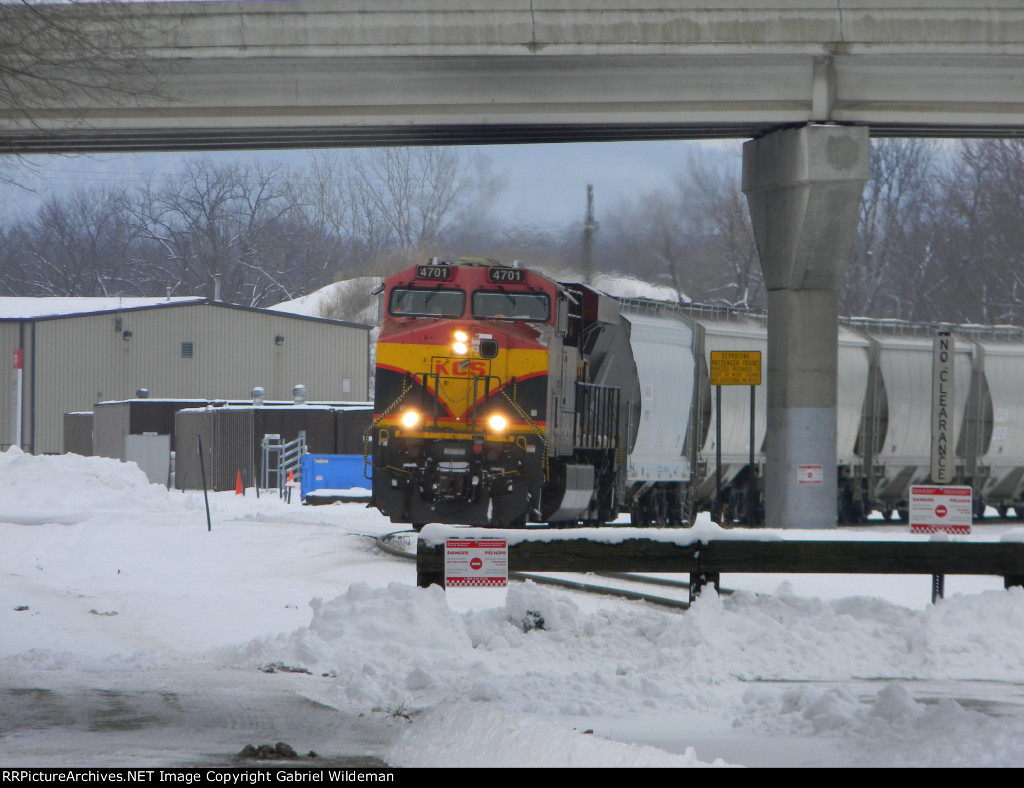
(460, 348)
(410, 419)
(497, 422)
(461, 336)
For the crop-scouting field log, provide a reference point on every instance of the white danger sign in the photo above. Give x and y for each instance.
(475, 562)
(946, 509)
(810, 474)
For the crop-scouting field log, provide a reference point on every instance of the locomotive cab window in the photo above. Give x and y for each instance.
(427, 302)
(509, 305)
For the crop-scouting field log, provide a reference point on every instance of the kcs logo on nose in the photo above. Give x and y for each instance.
(451, 367)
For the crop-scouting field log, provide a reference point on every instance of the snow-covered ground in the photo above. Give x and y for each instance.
(132, 636)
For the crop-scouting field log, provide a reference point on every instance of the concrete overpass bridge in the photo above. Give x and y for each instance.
(809, 80)
(307, 73)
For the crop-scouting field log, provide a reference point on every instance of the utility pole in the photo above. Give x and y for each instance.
(589, 228)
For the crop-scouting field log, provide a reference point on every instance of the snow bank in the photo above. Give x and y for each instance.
(457, 733)
(69, 488)
(109, 577)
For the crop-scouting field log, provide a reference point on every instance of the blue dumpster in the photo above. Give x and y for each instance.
(334, 477)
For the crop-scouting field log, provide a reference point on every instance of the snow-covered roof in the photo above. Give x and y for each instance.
(23, 308)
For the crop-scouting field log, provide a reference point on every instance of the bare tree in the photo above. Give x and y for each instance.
(69, 54)
(409, 198)
(980, 270)
(80, 245)
(695, 237)
(14, 266)
(893, 250)
(234, 221)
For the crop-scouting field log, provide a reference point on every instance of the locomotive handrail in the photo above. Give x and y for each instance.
(373, 425)
(588, 416)
(526, 418)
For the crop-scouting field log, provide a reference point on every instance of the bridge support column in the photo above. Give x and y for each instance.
(803, 188)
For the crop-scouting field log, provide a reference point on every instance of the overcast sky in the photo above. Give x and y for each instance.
(543, 184)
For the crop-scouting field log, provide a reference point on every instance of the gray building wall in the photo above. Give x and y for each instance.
(73, 362)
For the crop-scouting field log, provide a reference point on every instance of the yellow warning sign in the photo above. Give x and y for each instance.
(735, 367)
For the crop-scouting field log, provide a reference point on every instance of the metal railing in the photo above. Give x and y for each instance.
(280, 459)
(597, 416)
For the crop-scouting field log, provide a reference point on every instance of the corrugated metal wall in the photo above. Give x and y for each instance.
(78, 433)
(226, 436)
(352, 425)
(82, 360)
(227, 450)
(110, 424)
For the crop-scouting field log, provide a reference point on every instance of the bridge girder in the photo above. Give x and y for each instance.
(310, 73)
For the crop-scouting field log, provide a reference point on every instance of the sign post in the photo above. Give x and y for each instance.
(943, 403)
(17, 398)
(735, 368)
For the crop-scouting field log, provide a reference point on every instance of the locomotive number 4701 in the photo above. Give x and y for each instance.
(506, 275)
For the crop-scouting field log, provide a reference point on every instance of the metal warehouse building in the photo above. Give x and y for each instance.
(66, 354)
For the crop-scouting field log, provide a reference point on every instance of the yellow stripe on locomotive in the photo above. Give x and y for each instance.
(463, 393)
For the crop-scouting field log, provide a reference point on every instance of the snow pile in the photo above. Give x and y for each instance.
(541, 654)
(111, 581)
(350, 300)
(623, 286)
(890, 728)
(459, 733)
(34, 489)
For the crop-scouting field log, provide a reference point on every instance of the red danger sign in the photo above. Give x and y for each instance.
(938, 508)
(476, 562)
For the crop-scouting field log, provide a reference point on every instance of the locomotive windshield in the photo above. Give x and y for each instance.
(507, 305)
(427, 302)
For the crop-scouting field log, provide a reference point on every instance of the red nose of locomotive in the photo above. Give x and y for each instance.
(462, 365)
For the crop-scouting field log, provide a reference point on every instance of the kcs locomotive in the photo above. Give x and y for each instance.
(505, 398)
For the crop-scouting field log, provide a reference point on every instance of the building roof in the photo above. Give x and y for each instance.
(51, 308)
(24, 308)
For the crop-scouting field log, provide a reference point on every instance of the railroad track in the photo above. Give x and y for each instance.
(401, 544)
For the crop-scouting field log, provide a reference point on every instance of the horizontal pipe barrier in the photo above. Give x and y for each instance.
(706, 561)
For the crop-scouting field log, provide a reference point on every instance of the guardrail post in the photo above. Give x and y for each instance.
(700, 579)
(429, 565)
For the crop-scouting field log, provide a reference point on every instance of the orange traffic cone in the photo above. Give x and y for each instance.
(291, 478)
(239, 489)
